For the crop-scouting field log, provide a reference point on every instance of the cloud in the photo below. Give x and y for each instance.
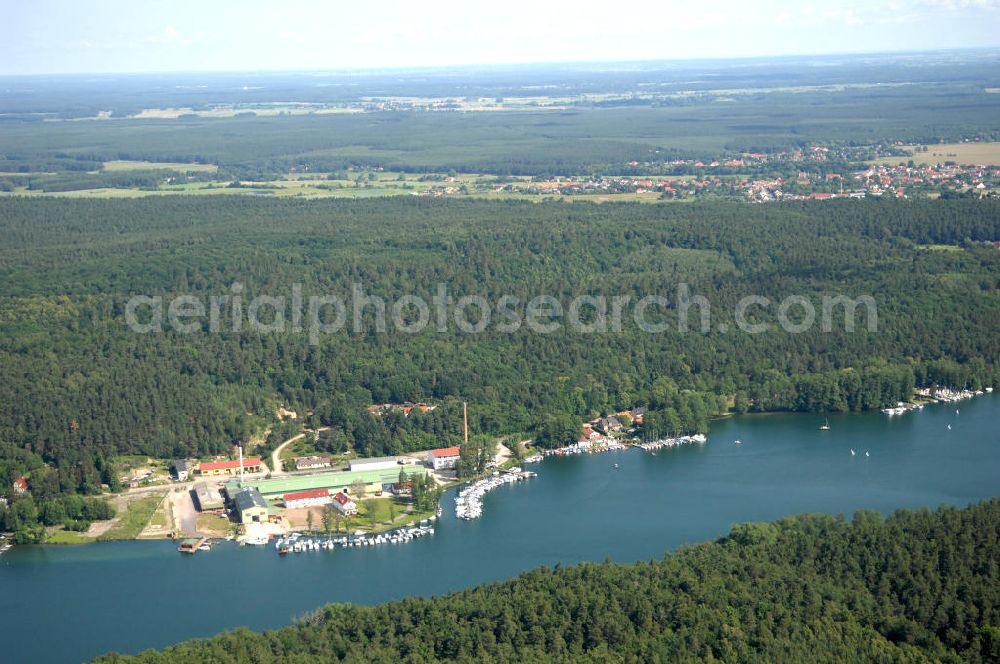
(169, 35)
(961, 5)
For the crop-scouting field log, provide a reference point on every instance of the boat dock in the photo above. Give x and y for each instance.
(192, 544)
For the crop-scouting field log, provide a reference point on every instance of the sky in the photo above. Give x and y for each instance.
(112, 36)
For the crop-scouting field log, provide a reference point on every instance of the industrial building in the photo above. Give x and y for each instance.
(249, 506)
(209, 498)
(232, 467)
(373, 463)
(307, 498)
(373, 481)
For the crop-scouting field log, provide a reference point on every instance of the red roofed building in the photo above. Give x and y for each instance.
(232, 467)
(443, 458)
(307, 498)
(20, 486)
(344, 503)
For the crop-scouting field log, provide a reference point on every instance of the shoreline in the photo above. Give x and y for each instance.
(618, 444)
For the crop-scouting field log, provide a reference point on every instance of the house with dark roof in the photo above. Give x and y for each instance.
(181, 470)
(609, 424)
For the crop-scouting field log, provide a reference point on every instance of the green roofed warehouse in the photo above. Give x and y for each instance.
(373, 480)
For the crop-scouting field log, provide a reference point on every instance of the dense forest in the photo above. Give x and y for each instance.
(606, 141)
(916, 587)
(80, 387)
(569, 119)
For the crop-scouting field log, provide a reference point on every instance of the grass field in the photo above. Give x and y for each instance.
(137, 515)
(66, 537)
(979, 154)
(214, 524)
(126, 165)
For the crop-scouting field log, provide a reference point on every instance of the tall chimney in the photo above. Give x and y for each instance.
(465, 420)
(241, 465)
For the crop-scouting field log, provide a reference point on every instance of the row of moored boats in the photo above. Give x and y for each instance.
(296, 543)
(660, 443)
(941, 395)
(901, 408)
(585, 447)
(469, 501)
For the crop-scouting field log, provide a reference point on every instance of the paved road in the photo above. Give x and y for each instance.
(182, 506)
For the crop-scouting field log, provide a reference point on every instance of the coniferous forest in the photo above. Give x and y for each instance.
(79, 387)
(916, 587)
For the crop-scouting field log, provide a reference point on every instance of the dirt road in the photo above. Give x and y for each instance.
(276, 468)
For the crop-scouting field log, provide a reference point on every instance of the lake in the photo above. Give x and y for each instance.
(67, 604)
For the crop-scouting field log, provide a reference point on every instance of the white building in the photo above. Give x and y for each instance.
(373, 463)
(312, 462)
(344, 503)
(443, 458)
(307, 498)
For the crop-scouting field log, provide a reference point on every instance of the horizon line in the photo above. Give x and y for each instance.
(504, 65)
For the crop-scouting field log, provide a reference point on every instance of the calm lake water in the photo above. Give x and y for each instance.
(67, 604)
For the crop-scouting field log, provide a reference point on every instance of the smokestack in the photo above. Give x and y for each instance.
(241, 465)
(465, 420)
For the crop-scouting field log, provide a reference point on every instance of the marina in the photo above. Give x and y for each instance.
(469, 501)
(939, 395)
(298, 543)
(588, 447)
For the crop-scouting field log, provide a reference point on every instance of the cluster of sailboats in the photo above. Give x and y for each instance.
(296, 543)
(469, 501)
(660, 443)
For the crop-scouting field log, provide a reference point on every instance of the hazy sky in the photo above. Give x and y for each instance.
(63, 36)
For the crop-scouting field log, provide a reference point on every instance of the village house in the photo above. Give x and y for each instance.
(588, 436)
(405, 408)
(609, 424)
(181, 470)
(345, 505)
(637, 414)
(20, 486)
(403, 489)
(312, 462)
